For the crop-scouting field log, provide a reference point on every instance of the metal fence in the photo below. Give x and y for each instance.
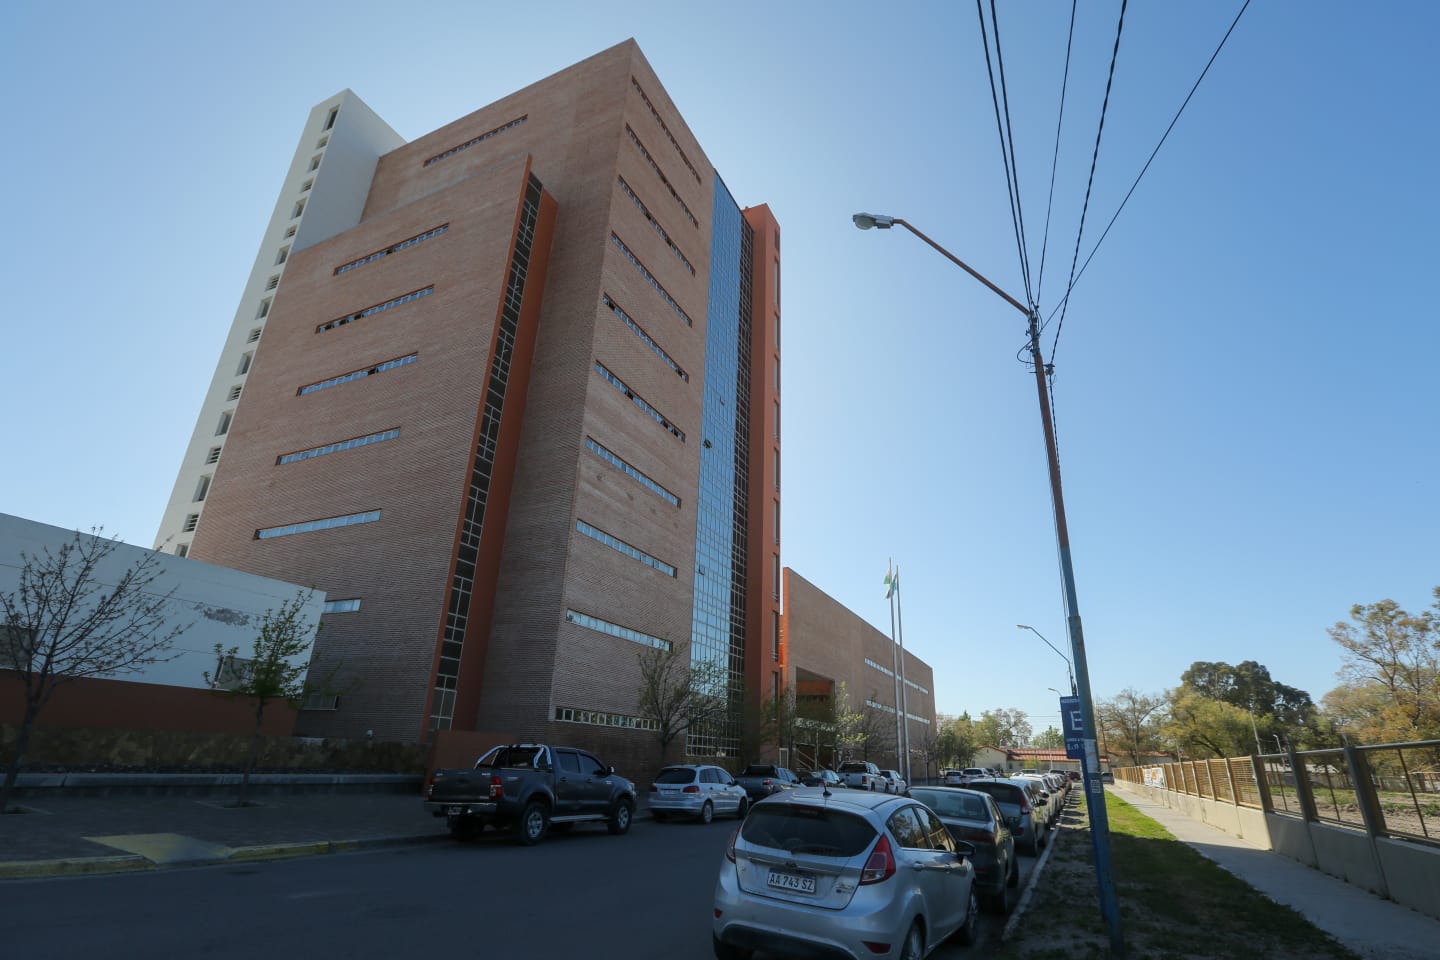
(1389, 789)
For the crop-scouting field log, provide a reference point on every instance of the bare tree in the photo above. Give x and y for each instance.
(272, 672)
(64, 622)
(679, 695)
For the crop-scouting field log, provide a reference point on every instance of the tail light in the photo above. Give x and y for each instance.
(881, 865)
(730, 847)
(496, 791)
(766, 782)
(691, 789)
(654, 789)
(429, 786)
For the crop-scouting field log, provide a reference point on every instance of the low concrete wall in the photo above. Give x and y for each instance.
(1349, 855)
(1411, 871)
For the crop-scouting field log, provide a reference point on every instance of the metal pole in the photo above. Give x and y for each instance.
(904, 698)
(1094, 787)
(890, 594)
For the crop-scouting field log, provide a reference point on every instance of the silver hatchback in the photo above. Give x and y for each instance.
(842, 873)
(696, 791)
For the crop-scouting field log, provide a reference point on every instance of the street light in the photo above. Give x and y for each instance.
(1095, 791)
(1068, 667)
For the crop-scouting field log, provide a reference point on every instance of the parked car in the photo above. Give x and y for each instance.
(527, 787)
(1050, 807)
(951, 776)
(823, 778)
(974, 817)
(855, 874)
(762, 779)
(894, 782)
(698, 791)
(862, 775)
(1107, 777)
(1019, 802)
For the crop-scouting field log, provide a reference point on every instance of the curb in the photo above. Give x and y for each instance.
(1014, 919)
(82, 866)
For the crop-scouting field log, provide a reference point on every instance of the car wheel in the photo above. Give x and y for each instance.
(620, 817)
(743, 809)
(707, 812)
(728, 951)
(533, 823)
(966, 933)
(914, 948)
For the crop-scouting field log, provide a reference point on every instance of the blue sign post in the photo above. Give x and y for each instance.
(1073, 725)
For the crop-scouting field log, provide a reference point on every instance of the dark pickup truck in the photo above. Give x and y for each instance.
(528, 787)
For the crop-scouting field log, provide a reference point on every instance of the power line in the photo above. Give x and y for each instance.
(1055, 161)
(1176, 119)
(1014, 164)
(1094, 157)
(1004, 157)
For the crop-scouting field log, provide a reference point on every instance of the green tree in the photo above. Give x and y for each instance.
(68, 619)
(1277, 709)
(1392, 663)
(275, 671)
(1003, 728)
(1050, 739)
(956, 740)
(1202, 727)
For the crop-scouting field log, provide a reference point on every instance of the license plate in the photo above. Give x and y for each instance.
(456, 811)
(791, 881)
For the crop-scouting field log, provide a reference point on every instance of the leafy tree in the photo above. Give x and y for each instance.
(1204, 727)
(274, 670)
(680, 695)
(1050, 739)
(1392, 662)
(1277, 709)
(68, 618)
(1130, 723)
(1003, 728)
(957, 740)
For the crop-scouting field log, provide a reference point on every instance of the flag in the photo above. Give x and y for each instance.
(890, 582)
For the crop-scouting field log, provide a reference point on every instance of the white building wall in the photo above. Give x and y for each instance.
(222, 606)
(323, 194)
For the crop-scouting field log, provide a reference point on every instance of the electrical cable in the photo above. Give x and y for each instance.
(1000, 129)
(1147, 164)
(1014, 164)
(1094, 157)
(1055, 161)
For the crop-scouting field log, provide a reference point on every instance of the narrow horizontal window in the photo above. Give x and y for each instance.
(630, 471)
(615, 630)
(341, 606)
(648, 340)
(213, 456)
(615, 543)
(273, 282)
(305, 187)
(659, 173)
(192, 520)
(658, 119)
(640, 204)
(377, 308)
(393, 248)
(357, 374)
(650, 279)
(353, 442)
(474, 140)
(321, 701)
(600, 718)
(639, 401)
(254, 335)
(324, 523)
(235, 392)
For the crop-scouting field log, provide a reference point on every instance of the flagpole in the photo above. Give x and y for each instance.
(894, 657)
(904, 697)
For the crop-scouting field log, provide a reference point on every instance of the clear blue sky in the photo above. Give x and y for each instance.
(1247, 415)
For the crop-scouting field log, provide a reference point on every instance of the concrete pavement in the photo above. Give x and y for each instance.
(1374, 928)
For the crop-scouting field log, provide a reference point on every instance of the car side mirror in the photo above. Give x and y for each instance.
(609, 771)
(964, 849)
(1040, 802)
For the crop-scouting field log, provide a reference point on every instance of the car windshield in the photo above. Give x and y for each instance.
(951, 803)
(811, 830)
(675, 775)
(854, 768)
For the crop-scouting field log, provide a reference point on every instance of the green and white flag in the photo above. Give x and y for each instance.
(892, 581)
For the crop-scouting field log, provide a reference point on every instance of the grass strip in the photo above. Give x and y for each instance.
(1174, 903)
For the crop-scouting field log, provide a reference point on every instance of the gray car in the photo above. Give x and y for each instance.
(1024, 812)
(842, 874)
(696, 791)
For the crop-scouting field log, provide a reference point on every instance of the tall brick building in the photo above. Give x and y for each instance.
(507, 393)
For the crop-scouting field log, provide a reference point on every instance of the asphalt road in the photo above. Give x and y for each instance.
(583, 894)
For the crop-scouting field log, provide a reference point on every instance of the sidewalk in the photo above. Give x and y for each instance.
(1374, 928)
